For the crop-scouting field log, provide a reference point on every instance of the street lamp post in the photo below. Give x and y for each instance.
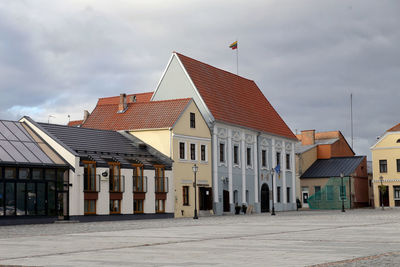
(342, 192)
(271, 171)
(381, 191)
(195, 169)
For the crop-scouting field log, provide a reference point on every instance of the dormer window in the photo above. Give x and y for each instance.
(398, 140)
(192, 120)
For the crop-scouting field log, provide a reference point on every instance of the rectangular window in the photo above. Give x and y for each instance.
(185, 195)
(278, 158)
(236, 154)
(221, 152)
(203, 152)
(10, 173)
(115, 206)
(50, 174)
(248, 156)
(23, 173)
(89, 176)
(383, 165)
(329, 192)
(288, 194)
(278, 194)
(192, 120)
(1, 198)
(342, 192)
(138, 206)
(161, 185)
(398, 165)
(115, 177)
(37, 174)
(263, 158)
(139, 182)
(90, 206)
(192, 151)
(288, 161)
(181, 150)
(317, 192)
(160, 205)
(396, 190)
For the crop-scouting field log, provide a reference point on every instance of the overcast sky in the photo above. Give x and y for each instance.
(58, 57)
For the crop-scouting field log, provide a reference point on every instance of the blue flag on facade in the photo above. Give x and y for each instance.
(278, 170)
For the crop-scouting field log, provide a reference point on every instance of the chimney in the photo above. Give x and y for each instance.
(86, 115)
(307, 137)
(122, 103)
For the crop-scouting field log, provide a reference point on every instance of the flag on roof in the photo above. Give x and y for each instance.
(234, 45)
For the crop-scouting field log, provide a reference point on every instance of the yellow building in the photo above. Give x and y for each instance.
(177, 129)
(386, 168)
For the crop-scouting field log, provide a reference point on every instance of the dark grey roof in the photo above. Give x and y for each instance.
(104, 146)
(333, 167)
(17, 146)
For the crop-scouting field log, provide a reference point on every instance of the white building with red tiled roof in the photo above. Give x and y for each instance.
(249, 138)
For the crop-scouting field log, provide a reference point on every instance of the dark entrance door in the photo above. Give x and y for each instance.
(227, 206)
(264, 198)
(385, 196)
(205, 198)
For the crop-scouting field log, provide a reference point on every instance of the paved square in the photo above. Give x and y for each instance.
(362, 237)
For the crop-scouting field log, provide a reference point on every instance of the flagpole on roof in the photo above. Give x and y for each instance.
(237, 59)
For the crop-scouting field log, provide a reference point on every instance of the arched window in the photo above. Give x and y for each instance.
(398, 140)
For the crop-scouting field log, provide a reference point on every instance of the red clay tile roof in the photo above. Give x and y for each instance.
(142, 97)
(75, 123)
(234, 99)
(140, 115)
(395, 128)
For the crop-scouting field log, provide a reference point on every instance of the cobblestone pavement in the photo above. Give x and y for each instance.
(362, 237)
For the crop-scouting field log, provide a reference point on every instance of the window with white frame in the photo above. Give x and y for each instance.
(182, 150)
(263, 158)
(221, 152)
(193, 151)
(236, 154)
(203, 153)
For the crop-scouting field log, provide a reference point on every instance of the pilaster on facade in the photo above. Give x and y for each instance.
(243, 168)
(283, 171)
(256, 159)
(230, 166)
(273, 166)
(293, 174)
(215, 164)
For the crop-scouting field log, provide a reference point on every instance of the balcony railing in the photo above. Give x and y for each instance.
(91, 185)
(139, 184)
(117, 185)
(161, 184)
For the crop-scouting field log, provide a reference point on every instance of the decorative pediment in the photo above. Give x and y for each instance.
(236, 136)
(265, 143)
(249, 139)
(222, 133)
(278, 147)
(288, 147)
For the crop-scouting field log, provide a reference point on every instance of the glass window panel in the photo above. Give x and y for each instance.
(60, 180)
(25, 132)
(10, 173)
(1, 199)
(7, 133)
(16, 131)
(1, 174)
(50, 174)
(31, 199)
(38, 153)
(25, 152)
(92, 177)
(21, 199)
(10, 199)
(12, 151)
(4, 156)
(37, 174)
(41, 199)
(51, 199)
(23, 173)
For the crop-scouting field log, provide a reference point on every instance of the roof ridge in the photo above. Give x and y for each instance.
(149, 102)
(66, 126)
(107, 97)
(231, 73)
